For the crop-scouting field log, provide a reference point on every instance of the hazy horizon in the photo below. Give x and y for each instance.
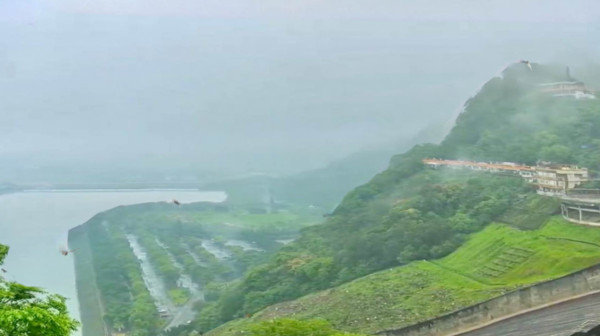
(228, 87)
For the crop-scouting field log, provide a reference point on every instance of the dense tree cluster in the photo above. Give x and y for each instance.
(30, 311)
(127, 302)
(172, 239)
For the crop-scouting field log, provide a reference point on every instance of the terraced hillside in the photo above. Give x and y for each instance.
(496, 260)
(505, 256)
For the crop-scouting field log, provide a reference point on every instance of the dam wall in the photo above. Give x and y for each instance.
(90, 305)
(510, 304)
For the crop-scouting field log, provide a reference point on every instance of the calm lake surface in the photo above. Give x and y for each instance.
(35, 224)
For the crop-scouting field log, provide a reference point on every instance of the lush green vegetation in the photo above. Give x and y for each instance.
(510, 257)
(429, 218)
(289, 327)
(492, 261)
(530, 212)
(278, 327)
(172, 238)
(127, 302)
(410, 213)
(402, 216)
(90, 309)
(30, 311)
(510, 120)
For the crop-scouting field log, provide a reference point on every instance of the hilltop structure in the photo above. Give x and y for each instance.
(567, 89)
(566, 86)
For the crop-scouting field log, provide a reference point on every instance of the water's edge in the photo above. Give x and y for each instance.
(90, 305)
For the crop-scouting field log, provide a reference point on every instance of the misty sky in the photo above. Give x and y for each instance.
(270, 85)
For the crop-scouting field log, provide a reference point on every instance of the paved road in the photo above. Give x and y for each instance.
(562, 319)
(153, 282)
(185, 313)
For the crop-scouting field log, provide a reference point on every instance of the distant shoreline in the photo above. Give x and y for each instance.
(197, 185)
(58, 190)
(9, 191)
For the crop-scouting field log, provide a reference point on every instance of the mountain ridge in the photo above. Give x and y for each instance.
(408, 213)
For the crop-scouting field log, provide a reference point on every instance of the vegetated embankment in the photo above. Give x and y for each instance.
(493, 262)
(90, 304)
(521, 300)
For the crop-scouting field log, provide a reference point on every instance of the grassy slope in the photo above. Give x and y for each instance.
(531, 212)
(508, 257)
(422, 290)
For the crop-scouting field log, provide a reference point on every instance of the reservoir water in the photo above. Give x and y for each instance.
(35, 224)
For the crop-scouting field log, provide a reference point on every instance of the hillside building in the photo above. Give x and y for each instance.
(492, 167)
(557, 179)
(551, 180)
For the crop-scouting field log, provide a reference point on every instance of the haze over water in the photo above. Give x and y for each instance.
(35, 224)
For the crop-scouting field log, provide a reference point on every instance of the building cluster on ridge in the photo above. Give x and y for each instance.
(550, 179)
(581, 206)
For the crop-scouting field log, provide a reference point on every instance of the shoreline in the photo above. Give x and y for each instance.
(57, 216)
(58, 190)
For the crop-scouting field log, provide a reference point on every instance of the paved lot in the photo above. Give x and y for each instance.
(562, 319)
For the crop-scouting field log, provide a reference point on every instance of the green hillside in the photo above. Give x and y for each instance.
(492, 261)
(112, 287)
(409, 213)
(325, 187)
(320, 188)
(406, 246)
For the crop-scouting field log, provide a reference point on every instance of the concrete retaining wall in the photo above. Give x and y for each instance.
(544, 293)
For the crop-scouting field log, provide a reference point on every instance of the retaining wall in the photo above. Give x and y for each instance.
(538, 295)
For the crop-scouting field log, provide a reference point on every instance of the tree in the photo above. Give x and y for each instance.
(30, 311)
(557, 153)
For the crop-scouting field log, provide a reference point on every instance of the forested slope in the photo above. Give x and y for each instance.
(493, 261)
(409, 213)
